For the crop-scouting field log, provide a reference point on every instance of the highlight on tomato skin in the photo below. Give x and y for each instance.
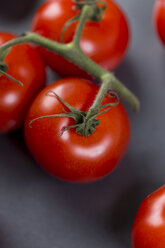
(25, 65)
(159, 19)
(72, 157)
(105, 42)
(149, 225)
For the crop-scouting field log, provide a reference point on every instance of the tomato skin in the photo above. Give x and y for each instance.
(25, 65)
(72, 157)
(149, 225)
(104, 42)
(159, 19)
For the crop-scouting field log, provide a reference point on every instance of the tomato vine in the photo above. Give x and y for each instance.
(90, 10)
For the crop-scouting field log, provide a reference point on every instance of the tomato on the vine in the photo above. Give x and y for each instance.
(105, 42)
(149, 225)
(159, 19)
(71, 156)
(25, 65)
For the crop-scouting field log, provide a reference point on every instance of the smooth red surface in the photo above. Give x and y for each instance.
(71, 156)
(149, 225)
(159, 19)
(104, 42)
(25, 65)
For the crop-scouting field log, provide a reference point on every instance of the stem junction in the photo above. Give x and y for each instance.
(85, 122)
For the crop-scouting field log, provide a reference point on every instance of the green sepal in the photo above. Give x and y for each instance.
(4, 68)
(11, 78)
(82, 126)
(112, 104)
(69, 115)
(98, 11)
(72, 109)
(67, 24)
(67, 128)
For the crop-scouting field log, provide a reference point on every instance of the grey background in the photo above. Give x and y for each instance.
(39, 211)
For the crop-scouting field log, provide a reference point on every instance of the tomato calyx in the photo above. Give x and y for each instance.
(84, 125)
(98, 7)
(98, 11)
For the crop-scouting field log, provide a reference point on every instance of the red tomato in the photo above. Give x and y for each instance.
(149, 225)
(72, 157)
(25, 65)
(159, 19)
(104, 42)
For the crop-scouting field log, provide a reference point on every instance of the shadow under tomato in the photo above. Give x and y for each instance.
(88, 207)
(16, 163)
(97, 213)
(17, 141)
(51, 76)
(125, 208)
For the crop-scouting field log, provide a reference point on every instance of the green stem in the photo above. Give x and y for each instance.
(87, 13)
(10, 77)
(75, 55)
(94, 109)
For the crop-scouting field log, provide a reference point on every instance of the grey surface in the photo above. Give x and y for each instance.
(40, 212)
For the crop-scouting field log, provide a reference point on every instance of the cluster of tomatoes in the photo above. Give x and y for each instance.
(71, 156)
